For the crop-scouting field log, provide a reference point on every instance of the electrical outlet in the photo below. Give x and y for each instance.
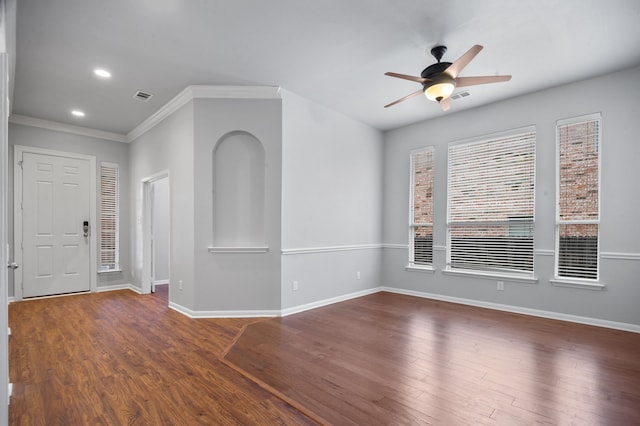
(501, 285)
(294, 286)
(358, 275)
(180, 284)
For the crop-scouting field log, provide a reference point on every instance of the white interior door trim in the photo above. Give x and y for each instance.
(147, 253)
(18, 151)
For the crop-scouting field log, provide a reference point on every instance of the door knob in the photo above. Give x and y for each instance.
(13, 265)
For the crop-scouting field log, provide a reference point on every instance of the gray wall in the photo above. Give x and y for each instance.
(323, 180)
(161, 219)
(237, 281)
(103, 150)
(617, 97)
(331, 203)
(167, 147)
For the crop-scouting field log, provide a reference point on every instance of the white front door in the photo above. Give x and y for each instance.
(56, 204)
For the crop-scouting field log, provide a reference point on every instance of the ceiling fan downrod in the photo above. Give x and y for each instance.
(438, 52)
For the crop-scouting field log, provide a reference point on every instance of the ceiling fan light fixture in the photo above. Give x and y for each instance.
(440, 88)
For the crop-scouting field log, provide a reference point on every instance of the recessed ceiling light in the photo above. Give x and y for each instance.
(102, 73)
(77, 113)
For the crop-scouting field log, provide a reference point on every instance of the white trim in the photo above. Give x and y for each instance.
(18, 151)
(110, 271)
(596, 116)
(6, 75)
(396, 246)
(147, 218)
(236, 92)
(620, 256)
(211, 92)
(238, 249)
(115, 287)
(496, 135)
(491, 275)
(160, 282)
(165, 111)
(325, 302)
(459, 300)
(587, 285)
(11, 299)
(603, 255)
(223, 314)
(520, 310)
(430, 152)
(286, 252)
(419, 268)
(406, 246)
(66, 128)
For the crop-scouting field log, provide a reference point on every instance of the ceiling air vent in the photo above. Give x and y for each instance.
(462, 94)
(142, 96)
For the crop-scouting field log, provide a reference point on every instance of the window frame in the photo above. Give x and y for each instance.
(412, 264)
(494, 271)
(562, 279)
(115, 266)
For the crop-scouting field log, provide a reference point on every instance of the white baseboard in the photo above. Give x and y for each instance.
(161, 282)
(223, 314)
(519, 310)
(119, 287)
(635, 328)
(325, 302)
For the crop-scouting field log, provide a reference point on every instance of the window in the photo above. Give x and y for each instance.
(421, 208)
(490, 212)
(578, 193)
(109, 235)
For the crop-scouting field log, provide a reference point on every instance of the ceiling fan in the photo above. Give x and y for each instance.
(440, 79)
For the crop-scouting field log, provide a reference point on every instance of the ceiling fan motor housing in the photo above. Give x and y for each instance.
(433, 70)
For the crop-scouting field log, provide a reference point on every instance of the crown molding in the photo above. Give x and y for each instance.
(203, 92)
(66, 128)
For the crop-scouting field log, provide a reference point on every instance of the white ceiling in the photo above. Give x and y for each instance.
(334, 52)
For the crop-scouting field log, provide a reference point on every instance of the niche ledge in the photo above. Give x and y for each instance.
(219, 249)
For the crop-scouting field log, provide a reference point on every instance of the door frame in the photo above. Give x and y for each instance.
(147, 219)
(5, 385)
(18, 151)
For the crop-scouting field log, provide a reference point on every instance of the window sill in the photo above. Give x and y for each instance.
(238, 249)
(587, 285)
(492, 276)
(419, 268)
(110, 271)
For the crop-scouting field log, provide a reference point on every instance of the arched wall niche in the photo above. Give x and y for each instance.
(238, 161)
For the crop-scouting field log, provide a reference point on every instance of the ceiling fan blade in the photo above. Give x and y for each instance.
(416, 93)
(445, 104)
(407, 77)
(472, 81)
(454, 69)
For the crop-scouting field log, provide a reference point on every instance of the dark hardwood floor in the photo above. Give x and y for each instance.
(392, 359)
(122, 358)
(119, 358)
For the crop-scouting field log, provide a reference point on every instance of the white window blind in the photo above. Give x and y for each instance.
(578, 194)
(109, 218)
(421, 208)
(490, 213)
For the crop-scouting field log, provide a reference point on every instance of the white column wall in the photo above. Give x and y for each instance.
(167, 146)
(331, 204)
